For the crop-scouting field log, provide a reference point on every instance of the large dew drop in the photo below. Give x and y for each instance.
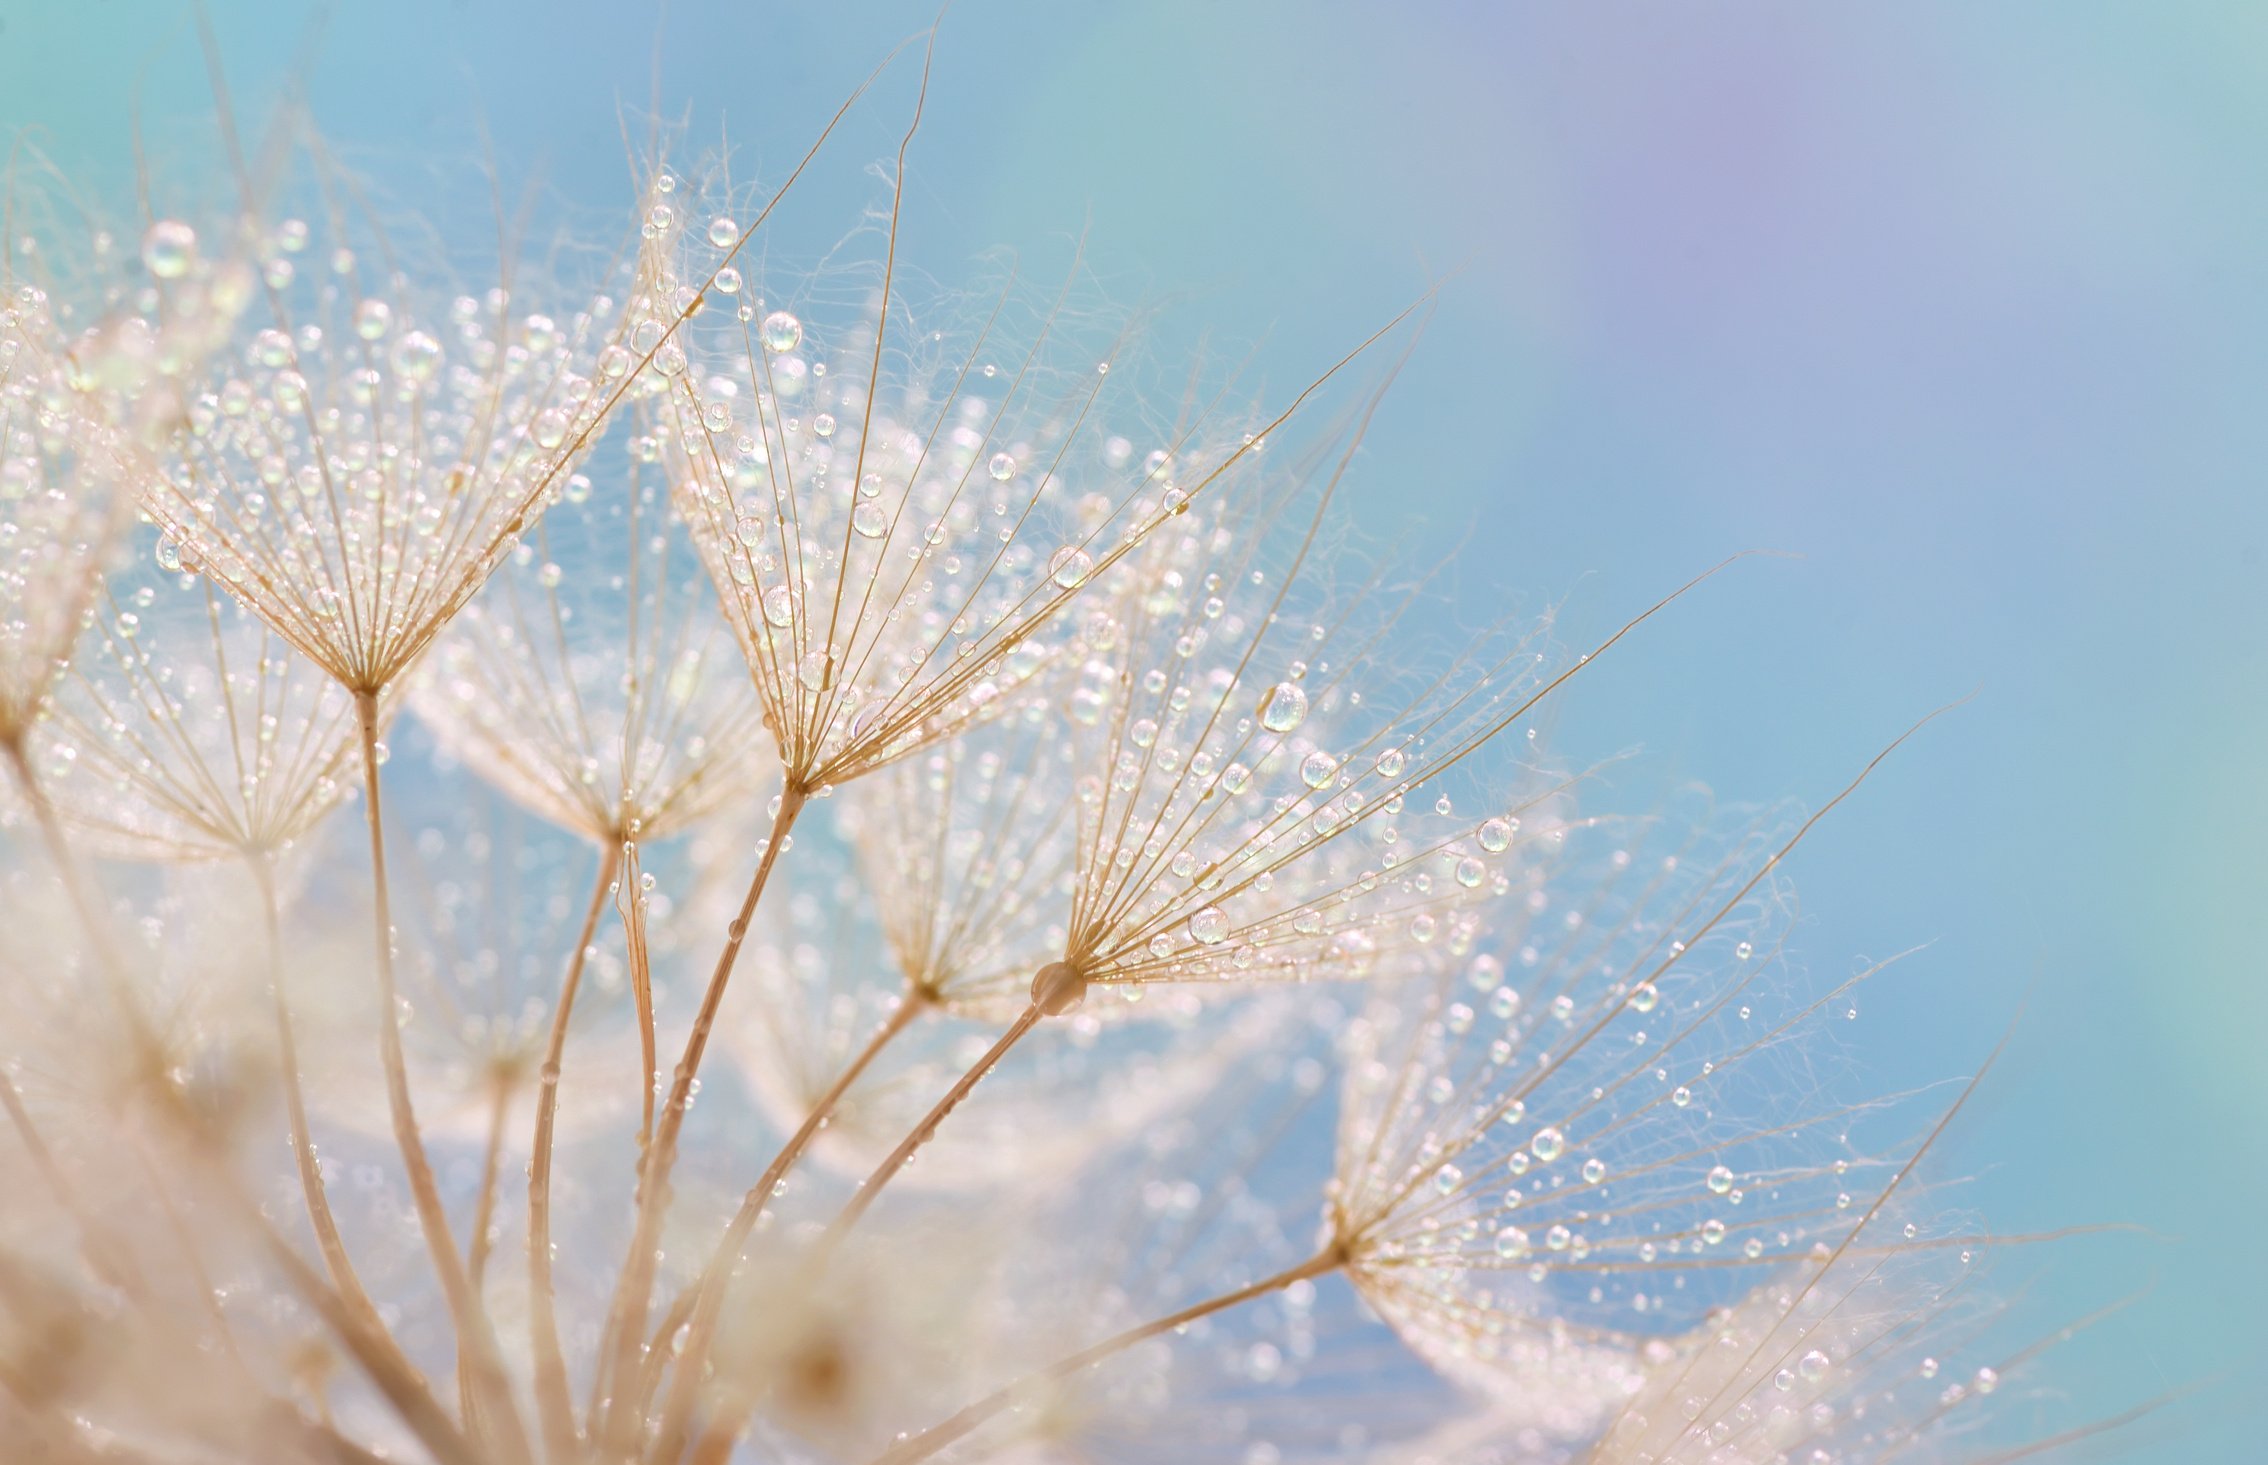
(782, 332)
(1070, 566)
(1284, 708)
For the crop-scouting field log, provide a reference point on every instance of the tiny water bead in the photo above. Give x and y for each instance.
(1547, 1144)
(869, 520)
(169, 248)
(781, 332)
(723, 232)
(1495, 835)
(1002, 467)
(1317, 769)
(1284, 708)
(1720, 1179)
(1209, 926)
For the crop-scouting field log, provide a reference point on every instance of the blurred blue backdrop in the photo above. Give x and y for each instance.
(1966, 305)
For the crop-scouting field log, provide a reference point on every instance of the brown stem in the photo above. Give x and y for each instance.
(635, 952)
(626, 1321)
(554, 1410)
(938, 1436)
(709, 1300)
(475, 1338)
(327, 1239)
(924, 1131)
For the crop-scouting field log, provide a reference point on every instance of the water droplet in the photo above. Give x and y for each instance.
(781, 331)
(1284, 708)
(1495, 836)
(1391, 763)
(1447, 1179)
(1813, 1366)
(1209, 926)
(779, 606)
(1470, 872)
(869, 520)
(1317, 769)
(1511, 1241)
(1070, 566)
(1002, 467)
(169, 249)
(416, 356)
(168, 554)
(1720, 1179)
(372, 319)
(723, 232)
(1547, 1144)
(1594, 1170)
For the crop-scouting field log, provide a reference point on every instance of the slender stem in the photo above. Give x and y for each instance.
(927, 1129)
(921, 1446)
(327, 1239)
(554, 1409)
(474, 1336)
(477, 1243)
(627, 1317)
(709, 1300)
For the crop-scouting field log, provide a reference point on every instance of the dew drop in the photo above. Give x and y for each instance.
(372, 319)
(1547, 1144)
(1070, 566)
(1284, 708)
(781, 332)
(169, 249)
(723, 232)
(1209, 926)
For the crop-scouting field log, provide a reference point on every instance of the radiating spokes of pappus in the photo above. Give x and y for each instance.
(1253, 727)
(894, 510)
(974, 841)
(187, 730)
(368, 448)
(93, 347)
(594, 682)
(1579, 1128)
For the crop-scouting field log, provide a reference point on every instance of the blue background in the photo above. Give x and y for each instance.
(1967, 305)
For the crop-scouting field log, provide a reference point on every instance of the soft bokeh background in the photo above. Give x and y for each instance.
(1967, 305)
